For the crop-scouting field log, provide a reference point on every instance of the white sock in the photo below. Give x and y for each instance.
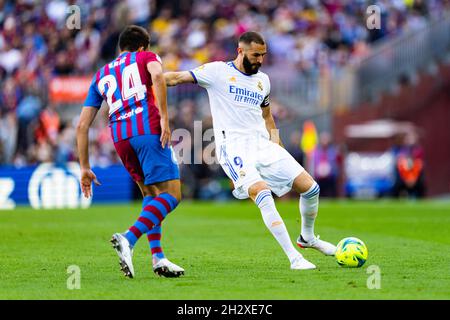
(274, 223)
(309, 206)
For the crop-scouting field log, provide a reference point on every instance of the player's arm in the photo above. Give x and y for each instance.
(271, 126)
(175, 78)
(159, 84)
(87, 176)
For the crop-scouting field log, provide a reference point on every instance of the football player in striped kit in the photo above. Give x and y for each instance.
(134, 89)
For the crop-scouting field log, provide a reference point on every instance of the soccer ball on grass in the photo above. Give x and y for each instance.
(351, 253)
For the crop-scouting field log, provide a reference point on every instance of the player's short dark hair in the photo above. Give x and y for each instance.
(251, 36)
(133, 37)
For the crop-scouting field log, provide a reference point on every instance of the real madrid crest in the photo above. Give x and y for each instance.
(260, 86)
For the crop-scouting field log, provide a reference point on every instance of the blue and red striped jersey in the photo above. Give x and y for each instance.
(126, 85)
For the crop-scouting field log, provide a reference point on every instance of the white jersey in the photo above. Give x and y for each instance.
(243, 145)
(236, 100)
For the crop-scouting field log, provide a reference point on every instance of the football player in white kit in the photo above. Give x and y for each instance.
(248, 147)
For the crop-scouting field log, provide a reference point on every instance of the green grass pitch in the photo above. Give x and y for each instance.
(227, 252)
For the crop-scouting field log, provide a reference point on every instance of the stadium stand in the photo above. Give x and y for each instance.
(313, 39)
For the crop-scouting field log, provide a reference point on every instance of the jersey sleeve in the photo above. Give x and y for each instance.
(148, 56)
(266, 101)
(94, 98)
(205, 75)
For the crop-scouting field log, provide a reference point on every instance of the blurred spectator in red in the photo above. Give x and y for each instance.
(326, 159)
(409, 169)
(49, 124)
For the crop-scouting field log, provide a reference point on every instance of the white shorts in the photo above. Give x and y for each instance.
(247, 161)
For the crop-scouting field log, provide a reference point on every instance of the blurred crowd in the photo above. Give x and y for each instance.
(308, 36)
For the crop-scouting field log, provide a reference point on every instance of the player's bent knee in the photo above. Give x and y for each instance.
(312, 193)
(148, 192)
(172, 187)
(303, 182)
(257, 187)
(175, 190)
(177, 195)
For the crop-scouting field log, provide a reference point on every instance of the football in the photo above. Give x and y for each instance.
(351, 252)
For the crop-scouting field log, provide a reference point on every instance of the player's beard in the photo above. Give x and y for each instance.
(250, 68)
